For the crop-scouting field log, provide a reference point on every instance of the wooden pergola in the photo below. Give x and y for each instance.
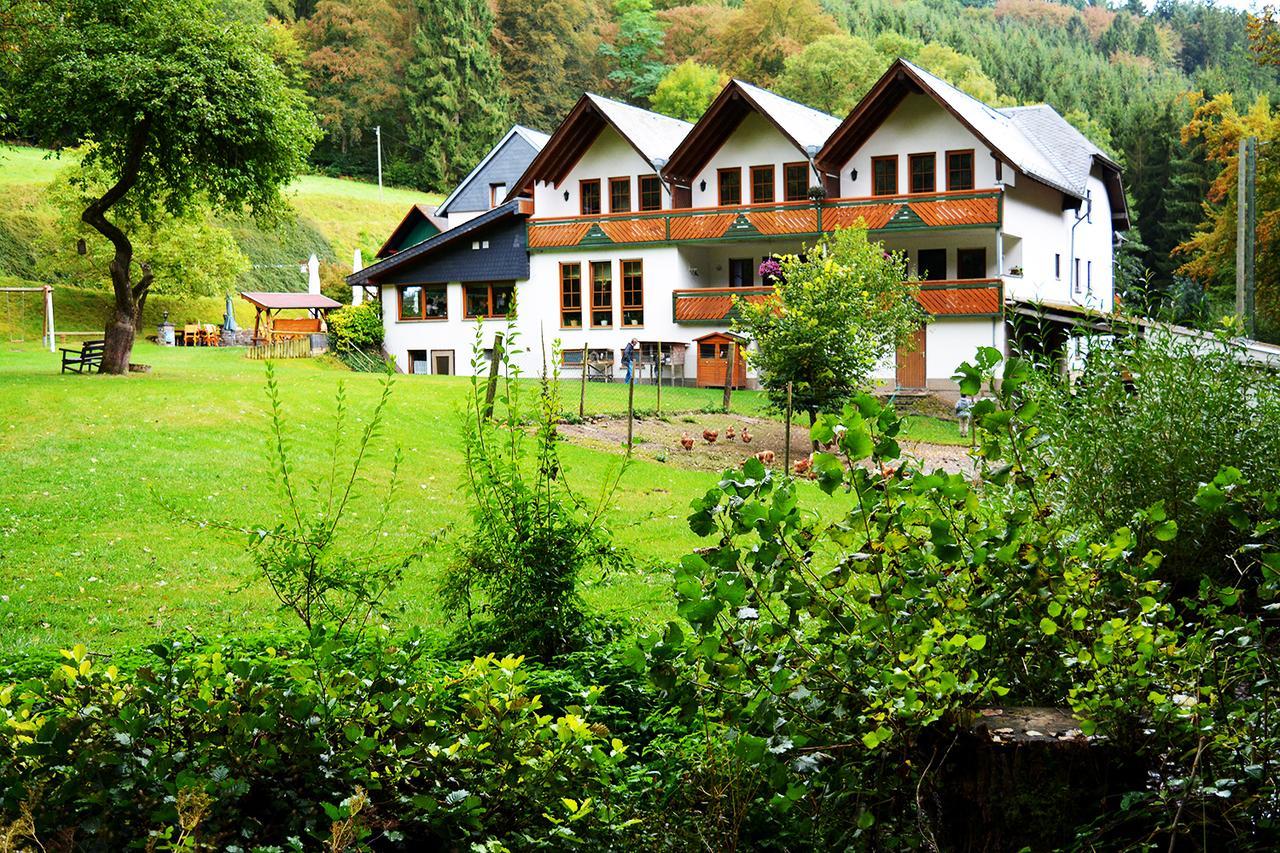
(269, 305)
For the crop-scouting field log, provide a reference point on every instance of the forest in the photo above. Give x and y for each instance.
(1168, 91)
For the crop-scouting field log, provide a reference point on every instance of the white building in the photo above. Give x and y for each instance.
(630, 224)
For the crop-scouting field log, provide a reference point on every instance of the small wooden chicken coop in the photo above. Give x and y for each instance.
(269, 326)
(714, 352)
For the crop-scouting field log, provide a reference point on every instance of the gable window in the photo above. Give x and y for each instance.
(650, 192)
(619, 195)
(633, 293)
(960, 170)
(740, 272)
(589, 195)
(601, 294)
(922, 168)
(884, 175)
(761, 184)
(571, 296)
(423, 302)
(497, 192)
(971, 263)
(730, 181)
(795, 178)
(486, 300)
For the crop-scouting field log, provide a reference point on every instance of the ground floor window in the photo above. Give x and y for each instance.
(418, 361)
(423, 302)
(971, 263)
(633, 293)
(571, 296)
(601, 294)
(487, 300)
(442, 362)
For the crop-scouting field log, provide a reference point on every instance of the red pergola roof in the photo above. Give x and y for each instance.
(281, 301)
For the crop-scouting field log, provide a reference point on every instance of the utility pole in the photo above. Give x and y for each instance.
(1246, 230)
(377, 131)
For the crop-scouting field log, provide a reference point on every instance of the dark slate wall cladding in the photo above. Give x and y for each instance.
(506, 259)
(506, 167)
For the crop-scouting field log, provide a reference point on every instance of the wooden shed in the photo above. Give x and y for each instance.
(269, 326)
(714, 352)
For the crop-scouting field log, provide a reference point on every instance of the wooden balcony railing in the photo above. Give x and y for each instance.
(882, 214)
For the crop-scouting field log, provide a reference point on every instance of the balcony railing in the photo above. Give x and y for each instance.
(714, 306)
(881, 214)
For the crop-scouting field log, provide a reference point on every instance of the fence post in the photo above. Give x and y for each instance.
(495, 362)
(582, 394)
(631, 409)
(658, 374)
(786, 442)
(730, 374)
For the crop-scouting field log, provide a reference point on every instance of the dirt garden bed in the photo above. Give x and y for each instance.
(661, 440)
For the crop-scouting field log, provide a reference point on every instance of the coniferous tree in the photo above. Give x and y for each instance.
(549, 51)
(636, 52)
(454, 90)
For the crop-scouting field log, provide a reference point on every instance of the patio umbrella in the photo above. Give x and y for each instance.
(229, 321)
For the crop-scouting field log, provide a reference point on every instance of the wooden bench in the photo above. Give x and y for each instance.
(87, 358)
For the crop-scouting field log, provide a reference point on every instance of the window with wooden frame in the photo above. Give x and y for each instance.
(884, 175)
(589, 196)
(619, 195)
(423, 302)
(650, 192)
(497, 192)
(795, 181)
(922, 170)
(959, 170)
(762, 185)
(730, 184)
(633, 293)
(601, 294)
(486, 300)
(571, 296)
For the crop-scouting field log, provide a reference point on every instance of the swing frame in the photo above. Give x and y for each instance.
(47, 335)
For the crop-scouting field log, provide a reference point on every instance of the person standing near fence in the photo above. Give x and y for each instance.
(629, 355)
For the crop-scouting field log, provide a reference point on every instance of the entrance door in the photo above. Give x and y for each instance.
(442, 362)
(911, 359)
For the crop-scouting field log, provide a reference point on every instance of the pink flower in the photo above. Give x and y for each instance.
(770, 268)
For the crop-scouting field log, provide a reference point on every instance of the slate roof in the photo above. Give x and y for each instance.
(1071, 150)
(513, 208)
(535, 138)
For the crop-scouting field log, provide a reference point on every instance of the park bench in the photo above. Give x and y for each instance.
(87, 358)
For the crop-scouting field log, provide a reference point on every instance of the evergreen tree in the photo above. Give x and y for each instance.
(453, 88)
(550, 55)
(637, 50)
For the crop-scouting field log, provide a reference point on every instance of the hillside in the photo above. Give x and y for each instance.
(333, 218)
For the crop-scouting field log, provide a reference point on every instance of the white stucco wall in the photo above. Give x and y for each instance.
(755, 142)
(609, 156)
(918, 126)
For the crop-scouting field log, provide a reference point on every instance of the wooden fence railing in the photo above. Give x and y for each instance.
(286, 348)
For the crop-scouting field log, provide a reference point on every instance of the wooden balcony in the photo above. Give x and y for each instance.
(714, 306)
(799, 219)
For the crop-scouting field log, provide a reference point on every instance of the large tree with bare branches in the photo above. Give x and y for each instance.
(182, 103)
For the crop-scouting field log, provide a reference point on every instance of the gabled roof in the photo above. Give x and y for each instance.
(417, 216)
(535, 138)
(802, 126)
(368, 274)
(283, 301)
(1029, 141)
(653, 137)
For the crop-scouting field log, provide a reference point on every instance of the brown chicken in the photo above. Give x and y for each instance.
(746, 436)
(686, 442)
(710, 435)
(766, 456)
(729, 433)
(803, 467)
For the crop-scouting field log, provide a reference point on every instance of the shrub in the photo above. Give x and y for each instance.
(355, 327)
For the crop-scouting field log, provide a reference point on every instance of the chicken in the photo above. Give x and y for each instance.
(766, 456)
(686, 442)
(803, 466)
(710, 435)
(746, 436)
(728, 433)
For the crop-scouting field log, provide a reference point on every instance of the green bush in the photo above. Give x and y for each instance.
(355, 327)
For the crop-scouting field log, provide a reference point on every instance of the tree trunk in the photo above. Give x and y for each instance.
(123, 323)
(813, 421)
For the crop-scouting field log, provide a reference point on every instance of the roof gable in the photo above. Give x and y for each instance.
(535, 139)
(653, 137)
(804, 127)
(418, 224)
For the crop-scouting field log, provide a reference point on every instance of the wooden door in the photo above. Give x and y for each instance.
(911, 361)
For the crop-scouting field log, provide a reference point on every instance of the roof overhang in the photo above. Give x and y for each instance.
(417, 213)
(572, 138)
(721, 119)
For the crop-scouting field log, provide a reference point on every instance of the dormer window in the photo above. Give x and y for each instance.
(589, 196)
(497, 192)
